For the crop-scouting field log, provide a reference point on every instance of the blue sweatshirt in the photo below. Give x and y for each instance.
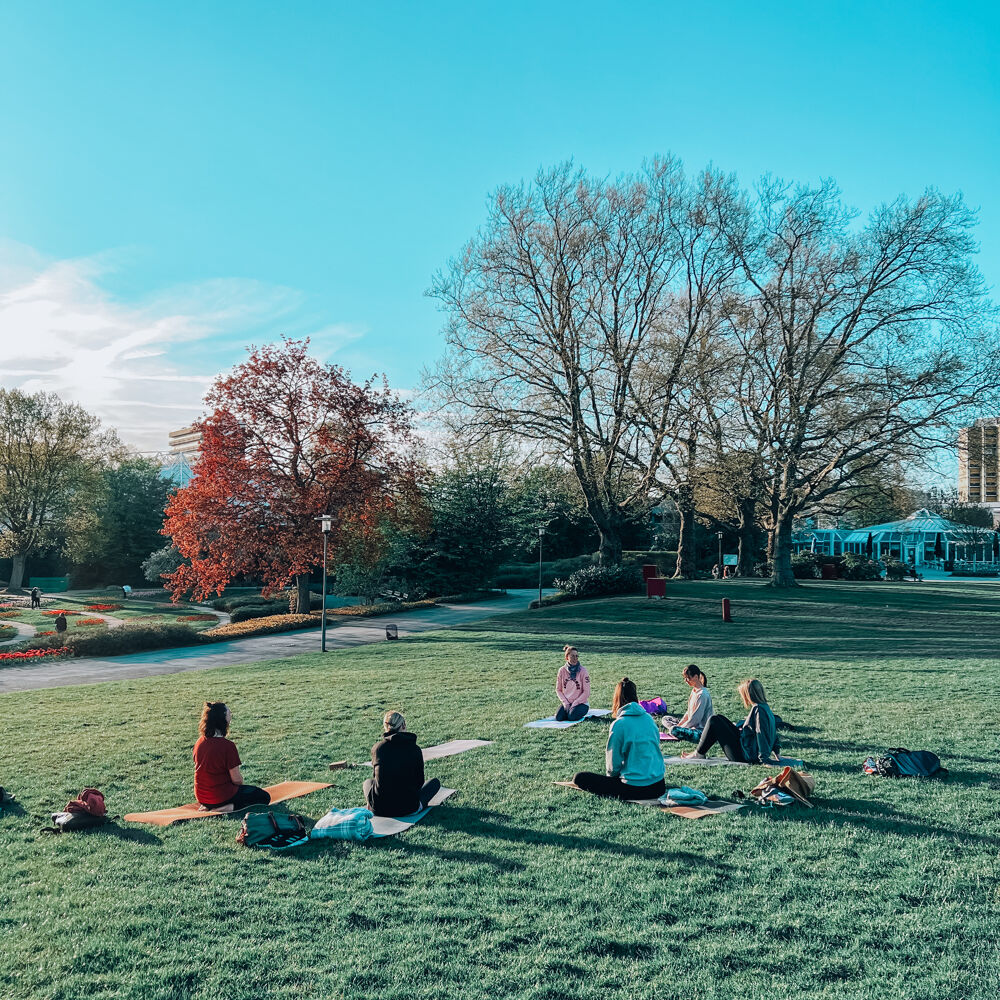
(634, 753)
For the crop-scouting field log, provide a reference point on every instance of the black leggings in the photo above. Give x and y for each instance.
(720, 730)
(575, 714)
(427, 791)
(248, 795)
(601, 784)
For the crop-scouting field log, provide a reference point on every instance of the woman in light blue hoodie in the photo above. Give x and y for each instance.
(634, 760)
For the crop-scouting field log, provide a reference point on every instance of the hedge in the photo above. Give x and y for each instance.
(262, 626)
(116, 641)
(374, 610)
(247, 612)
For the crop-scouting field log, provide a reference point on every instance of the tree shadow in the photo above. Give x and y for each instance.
(879, 822)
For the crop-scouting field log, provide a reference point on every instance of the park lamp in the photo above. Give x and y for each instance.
(326, 524)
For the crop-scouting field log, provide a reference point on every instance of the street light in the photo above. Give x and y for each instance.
(541, 535)
(718, 535)
(326, 523)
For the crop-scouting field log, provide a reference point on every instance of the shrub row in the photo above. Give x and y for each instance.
(599, 581)
(374, 610)
(116, 641)
(261, 626)
(247, 612)
(525, 575)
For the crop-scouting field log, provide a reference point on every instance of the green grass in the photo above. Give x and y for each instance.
(518, 888)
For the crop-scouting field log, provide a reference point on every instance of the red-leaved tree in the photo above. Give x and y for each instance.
(288, 439)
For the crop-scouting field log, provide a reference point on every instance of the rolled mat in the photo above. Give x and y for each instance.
(449, 749)
(179, 814)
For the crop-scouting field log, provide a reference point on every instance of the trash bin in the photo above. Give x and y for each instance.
(650, 571)
(391, 632)
(656, 586)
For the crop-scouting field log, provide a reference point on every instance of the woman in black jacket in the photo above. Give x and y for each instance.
(397, 786)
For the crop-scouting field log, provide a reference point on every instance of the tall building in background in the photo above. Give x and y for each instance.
(185, 443)
(979, 464)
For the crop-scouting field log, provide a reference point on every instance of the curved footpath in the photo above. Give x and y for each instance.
(60, 673)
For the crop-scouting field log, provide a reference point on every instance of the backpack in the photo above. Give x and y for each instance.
(85, 811)
(277, 831)
(902, 763)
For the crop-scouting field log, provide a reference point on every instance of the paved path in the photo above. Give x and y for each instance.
(59, 673)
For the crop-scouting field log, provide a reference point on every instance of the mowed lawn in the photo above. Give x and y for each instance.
(516, 887)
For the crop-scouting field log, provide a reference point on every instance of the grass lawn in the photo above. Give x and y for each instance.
(518, 888)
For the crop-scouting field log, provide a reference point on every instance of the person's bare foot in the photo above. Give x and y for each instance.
(694, 755)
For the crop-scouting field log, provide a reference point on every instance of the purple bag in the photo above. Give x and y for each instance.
(657, 706)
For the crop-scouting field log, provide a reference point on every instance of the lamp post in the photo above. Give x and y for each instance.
(326, 523)
(718, 535)
(541, 534)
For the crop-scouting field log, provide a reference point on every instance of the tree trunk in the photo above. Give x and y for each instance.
(747, 541)
(781, 567)
(17, 572)
(303, 594)
(610, 551)
(686, 563)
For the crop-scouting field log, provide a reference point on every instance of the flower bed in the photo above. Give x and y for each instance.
(11, 614)
(34, 654)
(61, 611)
(262, 626)
(197, 618)
(103, 607)
(7, 632)
(90, 621)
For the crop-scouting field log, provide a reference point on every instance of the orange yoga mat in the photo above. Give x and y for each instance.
(279, 793)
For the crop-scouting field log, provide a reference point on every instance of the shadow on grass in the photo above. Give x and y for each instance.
(878, 818)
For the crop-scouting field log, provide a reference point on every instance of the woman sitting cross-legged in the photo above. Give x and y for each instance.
(218, 781)
(755, 742)
(634, 760)
(573, 687)
(397, 786)
(699, 707)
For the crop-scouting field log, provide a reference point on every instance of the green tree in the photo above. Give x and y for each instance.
(126, 522)
(51, 455)
(161, 563)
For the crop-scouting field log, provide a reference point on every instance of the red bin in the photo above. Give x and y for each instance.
(656, 586)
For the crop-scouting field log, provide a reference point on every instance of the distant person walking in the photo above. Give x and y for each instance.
(572, 687)
(36, 597)
(126, 591)
(61, 623)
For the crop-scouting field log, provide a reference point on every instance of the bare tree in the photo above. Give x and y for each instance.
(857, 344)
(550, 307)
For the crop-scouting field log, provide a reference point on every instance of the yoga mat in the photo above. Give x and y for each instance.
(715, 761)
(711, 807)
(279, 793)
(387, 826)
(430, 753)
(667, 738)
(549, 722)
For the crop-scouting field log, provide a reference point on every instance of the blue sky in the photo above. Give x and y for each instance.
(179, 180)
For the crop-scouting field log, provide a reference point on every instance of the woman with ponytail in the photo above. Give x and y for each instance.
(397, 786)
(633, 761)
(218, 780)
(699, 707)
(572, 687)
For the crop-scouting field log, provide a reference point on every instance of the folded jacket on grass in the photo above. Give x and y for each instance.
(448, 749)
(178, 814)
(549, 722)
(710, 807)
(344, 824)
(386, 826)
(712, 761)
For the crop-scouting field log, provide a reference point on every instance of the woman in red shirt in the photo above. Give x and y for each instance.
(218, 781)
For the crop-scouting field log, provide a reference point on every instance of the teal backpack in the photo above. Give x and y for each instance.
(276, 831)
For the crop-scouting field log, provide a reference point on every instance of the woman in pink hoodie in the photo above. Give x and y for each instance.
(573, 688)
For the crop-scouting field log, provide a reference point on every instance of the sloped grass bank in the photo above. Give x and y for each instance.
(517, 888)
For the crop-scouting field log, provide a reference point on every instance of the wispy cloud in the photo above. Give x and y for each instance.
(139, 366)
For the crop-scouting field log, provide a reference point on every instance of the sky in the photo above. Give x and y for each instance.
(179, 181)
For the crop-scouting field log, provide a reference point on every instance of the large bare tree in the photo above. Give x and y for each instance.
(550, 307)
(857, 343)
